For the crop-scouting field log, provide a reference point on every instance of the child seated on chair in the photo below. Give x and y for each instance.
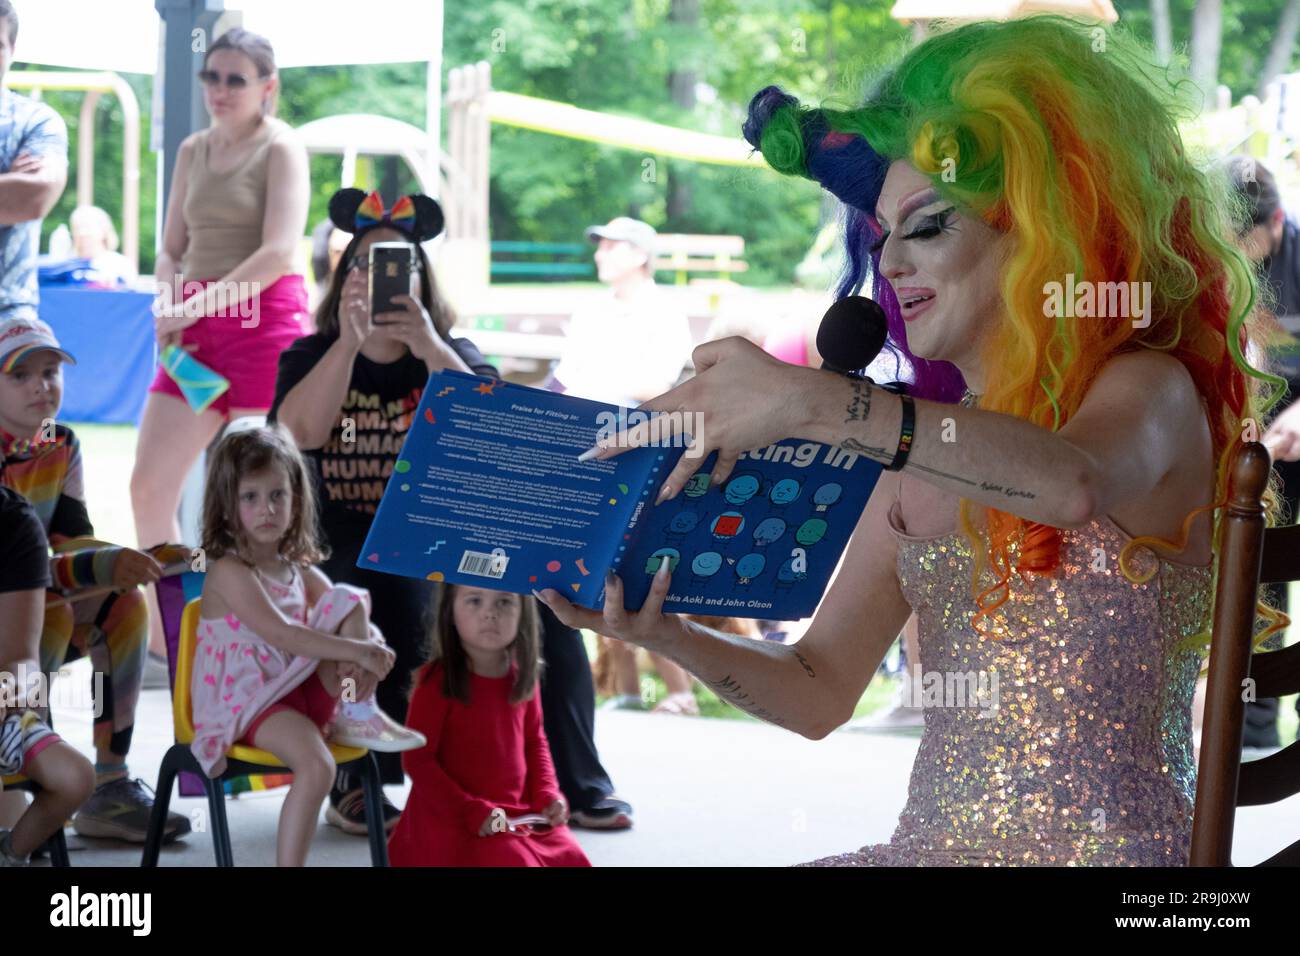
(27, 744)
(278, 645)
(483, 790)
(105, 618)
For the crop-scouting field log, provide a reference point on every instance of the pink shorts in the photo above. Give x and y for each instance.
(248, 357)
(310, 698)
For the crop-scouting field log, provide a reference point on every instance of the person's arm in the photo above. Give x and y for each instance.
(313, 390)
(79, 560)
(26, 196)
(811, 687)
(283, 224)
(473, 358)
(30, 190)
(176, 236)
(1119, 444)
(240, 592)
(23, 613)
(428, 715)
(543, 787)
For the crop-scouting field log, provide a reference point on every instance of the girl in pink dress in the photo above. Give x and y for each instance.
(278, 645)
(483, 789)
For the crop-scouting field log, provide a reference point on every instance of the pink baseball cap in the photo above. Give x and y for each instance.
(19, 338)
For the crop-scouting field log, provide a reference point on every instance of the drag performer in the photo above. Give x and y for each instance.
(1052, 476)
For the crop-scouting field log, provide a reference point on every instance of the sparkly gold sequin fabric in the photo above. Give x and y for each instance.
(1086, 757)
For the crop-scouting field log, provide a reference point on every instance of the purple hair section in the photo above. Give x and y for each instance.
(935, 381)
(851, 170)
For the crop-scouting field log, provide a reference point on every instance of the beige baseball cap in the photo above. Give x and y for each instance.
(625, 229)
(21, 337)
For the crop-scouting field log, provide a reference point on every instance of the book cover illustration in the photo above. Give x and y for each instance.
(488, 491)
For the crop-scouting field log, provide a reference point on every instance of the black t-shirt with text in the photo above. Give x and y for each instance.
(352, 468)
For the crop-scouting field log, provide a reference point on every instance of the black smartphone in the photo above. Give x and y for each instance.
(390, 276)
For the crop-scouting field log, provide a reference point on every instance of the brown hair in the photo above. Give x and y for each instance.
(243, 453)
(258, 49)
(327, 313)
(447, 650)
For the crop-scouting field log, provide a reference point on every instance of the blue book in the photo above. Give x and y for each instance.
(488, 491)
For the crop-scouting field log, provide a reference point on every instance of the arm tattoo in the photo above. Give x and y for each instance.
(859, 406)
(982, 485)
(731, 691)
(877, 454)
(806, 666)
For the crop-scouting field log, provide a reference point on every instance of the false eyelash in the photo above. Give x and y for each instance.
(927, 228)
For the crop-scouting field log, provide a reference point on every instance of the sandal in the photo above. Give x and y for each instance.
(682, 704)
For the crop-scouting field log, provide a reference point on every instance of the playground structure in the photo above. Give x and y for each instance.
(95, 85)
(526, 324)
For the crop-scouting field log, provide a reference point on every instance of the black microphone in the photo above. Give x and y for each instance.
(851, 335)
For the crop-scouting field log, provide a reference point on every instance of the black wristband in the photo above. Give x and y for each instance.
(905, 434)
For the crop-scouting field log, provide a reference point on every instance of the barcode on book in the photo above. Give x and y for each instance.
(483, 564)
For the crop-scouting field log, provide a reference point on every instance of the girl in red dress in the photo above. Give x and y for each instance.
(487, 762)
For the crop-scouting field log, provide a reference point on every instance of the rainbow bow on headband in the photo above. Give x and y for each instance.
(371, 213)
(416, 215)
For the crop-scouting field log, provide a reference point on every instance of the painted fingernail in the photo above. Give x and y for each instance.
(663, 493)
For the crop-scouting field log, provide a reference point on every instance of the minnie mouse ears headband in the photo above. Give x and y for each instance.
(355, 211)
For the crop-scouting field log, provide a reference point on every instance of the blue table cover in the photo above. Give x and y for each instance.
(110, 333)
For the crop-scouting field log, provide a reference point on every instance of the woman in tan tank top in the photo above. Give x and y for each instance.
(228, 293)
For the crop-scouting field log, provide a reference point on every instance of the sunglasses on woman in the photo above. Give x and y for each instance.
(233, 81)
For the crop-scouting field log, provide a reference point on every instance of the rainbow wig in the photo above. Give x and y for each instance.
(1064, 135)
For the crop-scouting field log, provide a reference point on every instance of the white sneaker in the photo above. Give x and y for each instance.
(7, 855)
(898, 718)
(377, 732)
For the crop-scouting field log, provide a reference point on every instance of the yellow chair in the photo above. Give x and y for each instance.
(241, 760)
(57, 844)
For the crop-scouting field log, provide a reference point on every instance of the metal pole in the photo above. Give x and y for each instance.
(188, 26)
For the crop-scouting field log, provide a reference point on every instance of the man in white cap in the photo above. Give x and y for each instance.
(635, 343)
(104, 617)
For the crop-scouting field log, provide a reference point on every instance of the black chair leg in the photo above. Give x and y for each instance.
(374, 792)
(217, 822)
(162, 800)
(57, 845)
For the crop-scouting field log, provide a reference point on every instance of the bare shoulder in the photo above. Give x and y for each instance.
(285, 140)
(226, 572)
(1157, 375)
(223, 575)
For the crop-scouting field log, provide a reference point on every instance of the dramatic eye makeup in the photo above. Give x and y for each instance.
(926, 228)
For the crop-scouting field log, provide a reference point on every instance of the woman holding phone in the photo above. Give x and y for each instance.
(347, 394)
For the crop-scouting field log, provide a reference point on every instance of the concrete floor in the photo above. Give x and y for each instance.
(706, 792)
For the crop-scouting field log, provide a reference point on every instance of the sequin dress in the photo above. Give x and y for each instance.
(1068, 742)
